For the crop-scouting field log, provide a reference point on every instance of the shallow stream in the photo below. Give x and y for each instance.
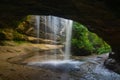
(89, 69)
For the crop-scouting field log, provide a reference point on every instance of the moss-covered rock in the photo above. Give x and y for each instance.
(26, 28)
(18, 36)
(6, 34)
(10, 34)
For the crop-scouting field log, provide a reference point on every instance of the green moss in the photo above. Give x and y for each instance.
(6, 34)
(10, 34)
(18, 42)
(86, 42)
(19, 37)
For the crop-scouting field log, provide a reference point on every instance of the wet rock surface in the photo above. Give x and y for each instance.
(112, 64)
(90, 69)
(113, 61)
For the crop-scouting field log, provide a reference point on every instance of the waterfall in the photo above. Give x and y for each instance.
(37, 27)
(68, 39)
(56, 26)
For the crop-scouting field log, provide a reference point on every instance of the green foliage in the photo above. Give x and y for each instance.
(83, 39)
(105, 48)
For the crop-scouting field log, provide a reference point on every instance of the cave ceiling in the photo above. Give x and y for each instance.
(100, 16)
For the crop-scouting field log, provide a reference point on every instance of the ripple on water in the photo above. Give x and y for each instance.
(58, 65)
(77, 70)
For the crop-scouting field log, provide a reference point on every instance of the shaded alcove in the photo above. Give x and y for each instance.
(29, 58)
(100, 16)
(80, 32)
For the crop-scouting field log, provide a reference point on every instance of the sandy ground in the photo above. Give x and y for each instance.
(13, 71)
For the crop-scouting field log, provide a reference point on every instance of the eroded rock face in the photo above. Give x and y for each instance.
(100, 16)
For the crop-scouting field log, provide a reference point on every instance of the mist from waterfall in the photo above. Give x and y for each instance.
(56, 26)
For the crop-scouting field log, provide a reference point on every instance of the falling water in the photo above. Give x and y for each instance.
(53, 25)
(56, 26)
(46, 23)
(68, 39)
(69, 69)
(38, 27)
